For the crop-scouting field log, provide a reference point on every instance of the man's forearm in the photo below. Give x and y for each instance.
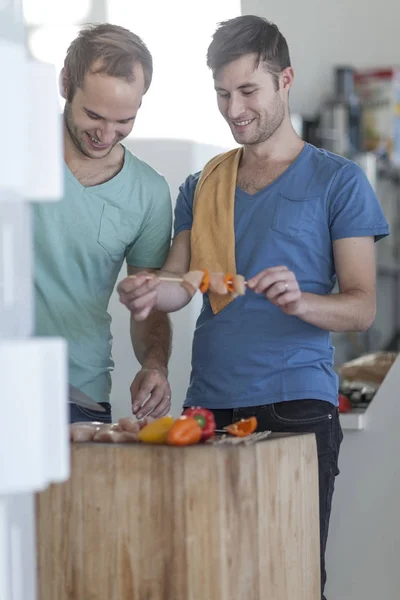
(151, 340)
(171, 297)
(346, 311)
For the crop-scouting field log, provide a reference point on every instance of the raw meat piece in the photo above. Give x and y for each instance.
(112, 436)
(83, 431)
(238, 285)
(130, 424)
(217, 283)
(192, 281)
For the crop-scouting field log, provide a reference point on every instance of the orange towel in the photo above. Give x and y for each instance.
(213, 230)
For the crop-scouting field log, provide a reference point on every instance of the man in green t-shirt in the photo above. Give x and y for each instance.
(115, 207)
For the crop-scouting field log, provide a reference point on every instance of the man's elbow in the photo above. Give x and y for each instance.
(366, 318)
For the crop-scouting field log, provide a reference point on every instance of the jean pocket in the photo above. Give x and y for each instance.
(308, 416)
(93, 415)
(294, 216)
(302, 412)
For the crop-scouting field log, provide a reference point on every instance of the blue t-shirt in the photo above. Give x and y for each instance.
(251, 353)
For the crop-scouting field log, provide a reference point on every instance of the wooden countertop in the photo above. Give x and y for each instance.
(141, 522)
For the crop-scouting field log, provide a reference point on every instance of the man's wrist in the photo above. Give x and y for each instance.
(153, 364)
(303, 306)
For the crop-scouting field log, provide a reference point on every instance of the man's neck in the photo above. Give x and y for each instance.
(92, 171)
(75, 159)
(283, 146)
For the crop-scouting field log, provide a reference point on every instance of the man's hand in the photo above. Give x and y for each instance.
(139, 294)
(151, 393)
(279, 286)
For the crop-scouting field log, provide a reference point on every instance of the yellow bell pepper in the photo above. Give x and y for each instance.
(157, 431)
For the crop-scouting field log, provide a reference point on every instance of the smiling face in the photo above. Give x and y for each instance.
(102, 111)
(249, 101)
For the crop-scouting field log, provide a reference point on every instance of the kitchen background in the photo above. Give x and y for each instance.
(179, 129)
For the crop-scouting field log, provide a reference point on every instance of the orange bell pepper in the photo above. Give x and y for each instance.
(228, 280)
(243, 427)
(157, 431)
(205, 284)
(184, 432)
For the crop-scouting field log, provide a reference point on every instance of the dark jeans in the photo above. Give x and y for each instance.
(78, 413)
(302, 416)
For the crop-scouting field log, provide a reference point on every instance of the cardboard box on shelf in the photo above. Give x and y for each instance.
(379, 91)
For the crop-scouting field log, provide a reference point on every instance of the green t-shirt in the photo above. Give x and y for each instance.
(80, 245)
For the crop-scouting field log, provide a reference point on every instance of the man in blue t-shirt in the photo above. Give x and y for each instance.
(303, 219)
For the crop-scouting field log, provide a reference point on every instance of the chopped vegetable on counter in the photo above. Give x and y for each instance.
(243, 427)
(344, 404)
(157, 431)
(185, 432)
(205, 419)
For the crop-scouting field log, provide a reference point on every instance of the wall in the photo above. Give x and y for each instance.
(180, 103)
(323, 34)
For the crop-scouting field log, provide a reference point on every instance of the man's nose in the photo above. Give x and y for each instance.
(106, 133)
(236, 107)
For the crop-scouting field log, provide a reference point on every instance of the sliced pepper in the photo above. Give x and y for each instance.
(184, 432)
(205, 419)
(243, 427)
(228, 280)
(205, 284)
(157, 431)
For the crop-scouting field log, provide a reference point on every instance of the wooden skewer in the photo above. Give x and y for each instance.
(176, 279)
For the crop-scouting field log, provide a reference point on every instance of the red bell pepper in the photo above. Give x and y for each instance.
(344, 404)
(205, 419)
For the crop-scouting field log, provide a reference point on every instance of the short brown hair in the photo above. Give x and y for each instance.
(118, 49)
(249, 34)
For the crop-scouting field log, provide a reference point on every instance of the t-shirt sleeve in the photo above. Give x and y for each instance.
(184, 205)
(151, 247)
(354, 209)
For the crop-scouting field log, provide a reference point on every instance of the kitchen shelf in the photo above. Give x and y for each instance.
(354, 420)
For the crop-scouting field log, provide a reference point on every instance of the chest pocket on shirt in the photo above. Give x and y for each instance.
(118, 228)
(294, 216)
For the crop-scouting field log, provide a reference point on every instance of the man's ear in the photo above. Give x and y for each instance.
(63, 84)
(287, 77)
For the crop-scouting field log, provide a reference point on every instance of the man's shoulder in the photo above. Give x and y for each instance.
(189, 185)
(330, 165)
(140, 170)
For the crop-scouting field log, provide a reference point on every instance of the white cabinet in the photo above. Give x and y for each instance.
(16, 291)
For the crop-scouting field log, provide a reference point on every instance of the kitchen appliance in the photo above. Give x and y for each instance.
(340, 118)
